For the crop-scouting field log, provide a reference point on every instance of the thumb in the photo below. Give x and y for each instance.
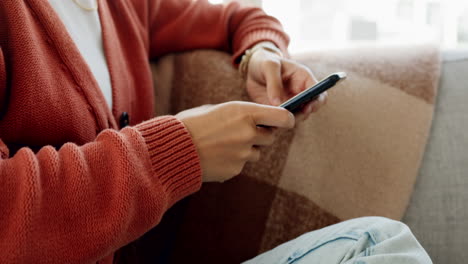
(274, 82)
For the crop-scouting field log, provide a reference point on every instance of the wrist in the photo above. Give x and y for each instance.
(265, 46)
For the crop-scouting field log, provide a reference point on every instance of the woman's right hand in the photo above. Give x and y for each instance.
(227, 136)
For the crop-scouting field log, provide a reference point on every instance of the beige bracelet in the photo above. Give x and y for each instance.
(265, 45)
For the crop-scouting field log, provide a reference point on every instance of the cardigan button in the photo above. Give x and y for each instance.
(124, 120)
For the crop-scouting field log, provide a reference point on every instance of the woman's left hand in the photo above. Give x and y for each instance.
(272, 80)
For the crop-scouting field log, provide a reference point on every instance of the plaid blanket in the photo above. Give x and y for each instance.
(358, 156)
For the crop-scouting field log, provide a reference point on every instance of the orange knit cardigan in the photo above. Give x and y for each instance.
(73, 187)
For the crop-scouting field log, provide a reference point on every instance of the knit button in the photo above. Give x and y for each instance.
(124, 120)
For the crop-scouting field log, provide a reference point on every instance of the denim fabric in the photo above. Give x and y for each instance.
(368, 240)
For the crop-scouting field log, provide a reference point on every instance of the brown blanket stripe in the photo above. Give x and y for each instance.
(414, 70)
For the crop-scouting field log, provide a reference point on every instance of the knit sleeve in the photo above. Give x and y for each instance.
(178, 25)
(79, 204)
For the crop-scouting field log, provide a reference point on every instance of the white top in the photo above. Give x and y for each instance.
(84, 28)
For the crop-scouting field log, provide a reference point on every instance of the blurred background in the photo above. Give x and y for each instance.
(319, 24)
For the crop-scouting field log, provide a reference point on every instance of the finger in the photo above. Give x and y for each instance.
(317, 104)
(264, 137)
(303, 78)
(274, 82)
(301, 117)
(272, 116)
(254, 154)
(307, 109)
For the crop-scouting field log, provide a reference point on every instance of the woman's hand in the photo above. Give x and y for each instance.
(272, 80)
(227, 136)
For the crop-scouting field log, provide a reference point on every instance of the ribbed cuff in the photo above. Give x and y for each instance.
(280, 39)
(173, 156)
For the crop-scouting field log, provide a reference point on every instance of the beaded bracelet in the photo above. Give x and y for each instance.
(265, 45)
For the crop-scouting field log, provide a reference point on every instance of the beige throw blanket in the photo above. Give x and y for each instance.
(358, 156)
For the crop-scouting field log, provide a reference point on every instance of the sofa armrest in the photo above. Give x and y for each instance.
(438, 211)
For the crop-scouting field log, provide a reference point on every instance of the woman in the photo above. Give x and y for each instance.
(76, 184)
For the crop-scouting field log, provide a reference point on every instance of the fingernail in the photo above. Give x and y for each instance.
(322, 97)
(293, 119)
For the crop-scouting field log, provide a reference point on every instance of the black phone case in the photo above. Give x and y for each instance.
(294, 104)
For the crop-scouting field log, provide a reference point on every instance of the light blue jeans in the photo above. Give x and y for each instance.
(368, 240)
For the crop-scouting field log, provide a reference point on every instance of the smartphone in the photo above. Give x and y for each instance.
(295, 104)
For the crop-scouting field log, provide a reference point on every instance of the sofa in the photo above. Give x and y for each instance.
(438, 209)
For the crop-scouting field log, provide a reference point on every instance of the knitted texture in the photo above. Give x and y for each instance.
(78, 203)
(73, 188)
